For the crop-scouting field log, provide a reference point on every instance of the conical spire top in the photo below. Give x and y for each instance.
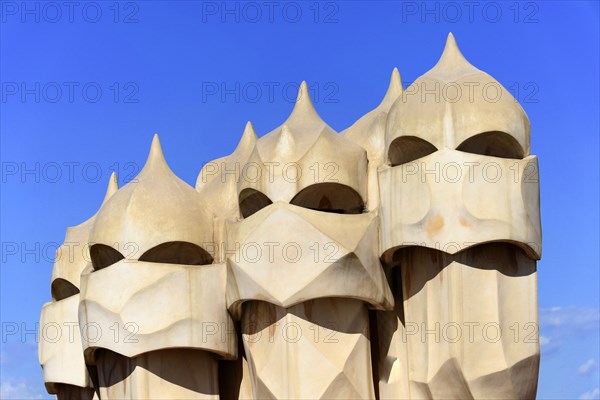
(303, 96)
(394, 89)
(285, 142)
(156, 156)
(157, 197)
(451, 51)
(297, 134)
(452, 63)
(112, 187)
(304, 108)
(248, 139)
(249, 131)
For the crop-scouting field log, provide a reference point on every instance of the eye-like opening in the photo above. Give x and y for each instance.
(487, 253)
(62, 289)
(330, 197)
(102, 256)
(494, 143)
(408, 148)
(184, 253)
(252, 201)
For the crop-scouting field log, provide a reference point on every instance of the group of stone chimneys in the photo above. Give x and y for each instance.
(393, 260)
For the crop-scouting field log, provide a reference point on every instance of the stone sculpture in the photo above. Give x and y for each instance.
(65, 372)
(396, 259)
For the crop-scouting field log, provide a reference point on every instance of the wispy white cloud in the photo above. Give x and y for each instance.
(593, 394)
(575, 319)
(17, 389)
(561, 324)
(549, 345)
(21, 375)
(544, 341)
(587, 367)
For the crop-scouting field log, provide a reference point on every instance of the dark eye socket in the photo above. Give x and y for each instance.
(103, 256)
(184, 253)
(405, 149)
(330, 197)
(252, 201)
(62, 288)
(496, 144)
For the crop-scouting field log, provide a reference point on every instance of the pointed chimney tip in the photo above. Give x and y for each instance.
(249, 136)
(112, 187)
(156, 155)
(303, 93)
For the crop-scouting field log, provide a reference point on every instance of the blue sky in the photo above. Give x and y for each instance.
(84, 89)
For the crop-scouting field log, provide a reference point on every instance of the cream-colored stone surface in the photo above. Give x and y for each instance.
(303, 151)
(245, 391)
(59, 346)
(451, 200)
(461, 232)
(369, 132)
(295, 163)
(319, 349)
(73, 255)
(471, 322)
(158, 306)
(325, 255)
(218, 179)
(218, 182)
(391, 353)
(155, 208)
(394, 260)
(311, 237)
(454, 102)
(165, 374)
(153, 289)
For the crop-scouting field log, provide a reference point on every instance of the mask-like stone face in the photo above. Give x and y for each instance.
(166, 306)
(324, 255)
(452, 200)
(461, 231)
(300, 251)
(291, 167)
(63, 366)
(329, 252)
(459, 169)
(153, 285)
(152, 281)
(288, 163)
(152, 211)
